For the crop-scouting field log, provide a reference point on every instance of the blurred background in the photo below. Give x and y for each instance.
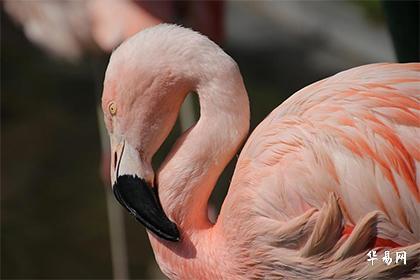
(58, 219)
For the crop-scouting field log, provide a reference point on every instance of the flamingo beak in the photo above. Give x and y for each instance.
(136, 195)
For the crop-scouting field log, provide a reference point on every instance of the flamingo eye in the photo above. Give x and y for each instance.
(112, 108)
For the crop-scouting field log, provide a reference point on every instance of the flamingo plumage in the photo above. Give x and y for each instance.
(329, 174)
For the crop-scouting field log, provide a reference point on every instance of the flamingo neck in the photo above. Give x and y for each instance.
(189, 174)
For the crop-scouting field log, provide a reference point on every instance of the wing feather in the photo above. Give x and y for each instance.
(355, 134)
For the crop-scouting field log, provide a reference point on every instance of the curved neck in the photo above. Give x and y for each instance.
(190, 171)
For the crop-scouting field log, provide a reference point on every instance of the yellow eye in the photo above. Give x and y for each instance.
(112, 108)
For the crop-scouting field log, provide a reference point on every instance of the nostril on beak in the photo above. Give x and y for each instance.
(115, 160)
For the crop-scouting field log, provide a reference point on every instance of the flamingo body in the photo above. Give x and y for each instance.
(355, 134)
(329, 174)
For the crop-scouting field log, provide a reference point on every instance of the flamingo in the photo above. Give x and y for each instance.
(330, 174)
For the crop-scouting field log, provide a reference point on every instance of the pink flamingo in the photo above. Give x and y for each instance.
(329, 174)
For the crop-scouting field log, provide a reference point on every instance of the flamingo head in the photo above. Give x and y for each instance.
(141, 99)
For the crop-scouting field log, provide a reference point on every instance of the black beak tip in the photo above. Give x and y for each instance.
(170, 234)
(140, 200)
